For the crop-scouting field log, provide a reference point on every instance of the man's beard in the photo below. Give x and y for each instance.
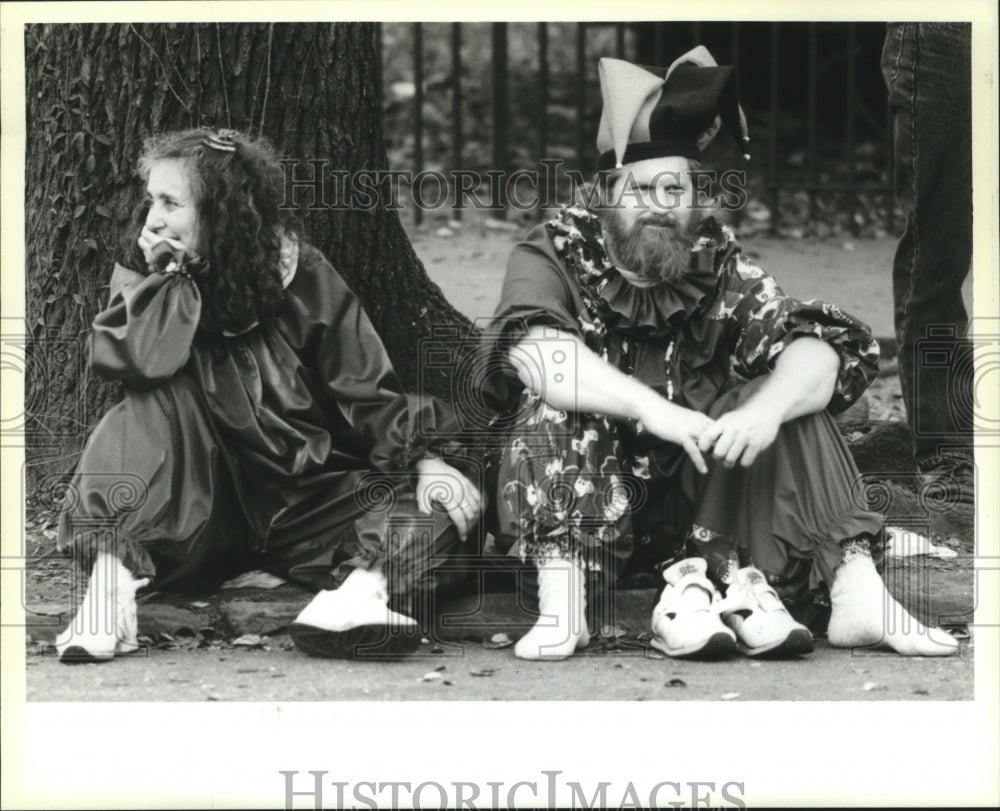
(655, 248)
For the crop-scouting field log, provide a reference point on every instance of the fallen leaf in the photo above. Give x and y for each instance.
(904, 543)
(498, 641)
(922, 692)
(494, 224)
(676, 683)
(253, 580)
(728, 696)
(441, 667)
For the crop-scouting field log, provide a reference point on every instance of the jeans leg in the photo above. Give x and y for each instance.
(927, 69)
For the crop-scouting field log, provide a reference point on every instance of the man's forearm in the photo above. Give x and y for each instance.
(803, 379)
(568, 375)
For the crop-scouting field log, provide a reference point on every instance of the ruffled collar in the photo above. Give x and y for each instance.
(647, 311)
(288, 263)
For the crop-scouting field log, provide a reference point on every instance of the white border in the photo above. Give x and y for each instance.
(105, 755)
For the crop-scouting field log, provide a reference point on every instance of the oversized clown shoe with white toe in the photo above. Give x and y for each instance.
(355, 622)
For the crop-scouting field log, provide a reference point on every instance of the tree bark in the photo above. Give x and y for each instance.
(94, 92)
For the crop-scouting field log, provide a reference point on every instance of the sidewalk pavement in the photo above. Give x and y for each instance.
(469, 267)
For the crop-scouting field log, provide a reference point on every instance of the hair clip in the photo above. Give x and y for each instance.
(222, 140)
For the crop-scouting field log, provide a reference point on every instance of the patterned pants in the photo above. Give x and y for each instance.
(566, 488)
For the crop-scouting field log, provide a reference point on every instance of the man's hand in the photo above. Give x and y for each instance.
(439, 482)
(675, 423)
(741, 435)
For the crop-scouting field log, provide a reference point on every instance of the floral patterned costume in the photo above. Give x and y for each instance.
(607, 492)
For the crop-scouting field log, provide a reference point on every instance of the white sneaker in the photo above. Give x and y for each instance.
(686, 620)
(107, 622)
(761, 622)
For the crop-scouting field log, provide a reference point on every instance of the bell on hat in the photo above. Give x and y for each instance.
(655, 113)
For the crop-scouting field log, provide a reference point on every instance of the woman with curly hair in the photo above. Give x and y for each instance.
(262, 424)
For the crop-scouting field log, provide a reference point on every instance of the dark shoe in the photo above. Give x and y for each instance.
(363, 642)
(355, 622)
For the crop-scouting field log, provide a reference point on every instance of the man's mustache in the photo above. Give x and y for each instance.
(659, 221)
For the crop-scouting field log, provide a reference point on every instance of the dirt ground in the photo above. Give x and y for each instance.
(472, 672)
(468, 261)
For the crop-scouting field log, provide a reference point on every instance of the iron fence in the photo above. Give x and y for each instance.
(812, 91)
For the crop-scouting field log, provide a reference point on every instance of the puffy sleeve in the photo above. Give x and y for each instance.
(143, 337)
(535, 292)
(393, 429)
(765, 321)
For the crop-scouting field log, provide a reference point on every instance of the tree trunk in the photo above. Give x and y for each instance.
(94, 92)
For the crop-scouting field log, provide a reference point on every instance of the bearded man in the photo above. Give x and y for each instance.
(631, 445)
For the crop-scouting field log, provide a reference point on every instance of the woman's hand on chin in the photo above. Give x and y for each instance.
(149, 243)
